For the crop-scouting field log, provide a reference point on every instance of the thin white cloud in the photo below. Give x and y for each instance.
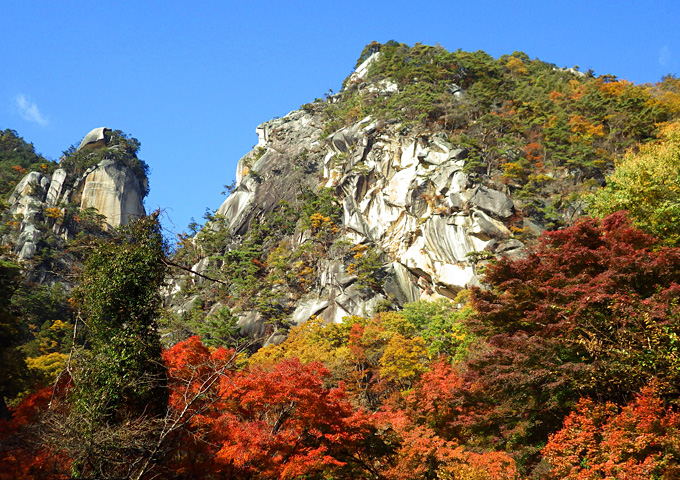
(664, 55)
(29, 110)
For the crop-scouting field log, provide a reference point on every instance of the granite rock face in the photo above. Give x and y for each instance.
(114, 191)
(110, 188)
(405, 193)
(411, 196)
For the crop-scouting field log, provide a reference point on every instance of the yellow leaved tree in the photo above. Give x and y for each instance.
(647, 185)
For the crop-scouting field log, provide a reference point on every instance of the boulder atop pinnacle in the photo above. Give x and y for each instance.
(95, 139)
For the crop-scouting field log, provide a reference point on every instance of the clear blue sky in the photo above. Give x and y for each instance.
(192, 80)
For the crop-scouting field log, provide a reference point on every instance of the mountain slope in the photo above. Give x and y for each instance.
(401, 186)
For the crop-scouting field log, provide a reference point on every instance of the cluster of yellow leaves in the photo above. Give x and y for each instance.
(647, 184)
(583, 129)
(314, 340)
(512, 170)
(577, 89)
(358, 253)
(304, 273)
(387, 345)
(355, 113)
(521, 233)
(404, 359)
(613, 89)
(540, 179)
(319, 223)
(54, 212)
(359, 250)
(278, 258)
(669, 96)
(47, 367)
(516, 66)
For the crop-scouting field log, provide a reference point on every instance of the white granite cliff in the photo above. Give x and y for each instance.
(110, 188)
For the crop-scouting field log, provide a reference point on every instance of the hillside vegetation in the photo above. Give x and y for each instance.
(16, 158)
(562, 363)
(524, 120)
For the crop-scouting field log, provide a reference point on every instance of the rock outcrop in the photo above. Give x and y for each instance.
(95, 139)
(406, 194)
(41, 203)
(411, 196)
(113, 190)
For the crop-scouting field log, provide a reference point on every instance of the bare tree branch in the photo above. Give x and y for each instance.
(170, 263)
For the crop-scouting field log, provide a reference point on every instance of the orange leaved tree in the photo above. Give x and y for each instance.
(640, 440)
(260, 423)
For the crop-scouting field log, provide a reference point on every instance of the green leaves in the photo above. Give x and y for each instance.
(442, 327)
(118, 298)
(11, 358)
(219, 329)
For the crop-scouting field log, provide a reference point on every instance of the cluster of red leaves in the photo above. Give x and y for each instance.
(640, 440)
(534, 153)
(592, 311)
(363, 382)
(22, 457)
(285, 422)
(427, 445)
(255, 423)
(282, 422)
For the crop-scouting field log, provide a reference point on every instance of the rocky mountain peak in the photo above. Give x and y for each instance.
(410, 224)
(99, 184)
(426, 165)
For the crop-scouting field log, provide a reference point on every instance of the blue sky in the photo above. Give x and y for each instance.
(192, 80)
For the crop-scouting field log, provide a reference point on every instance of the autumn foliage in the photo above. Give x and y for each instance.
(22, 457)
(593, 311)
(566, 364)
(279, 422)
(646, 184)
(430, 446)
(603, 440)
(533, 378)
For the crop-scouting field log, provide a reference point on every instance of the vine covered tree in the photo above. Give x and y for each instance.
(11, 358)
(119, 382)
